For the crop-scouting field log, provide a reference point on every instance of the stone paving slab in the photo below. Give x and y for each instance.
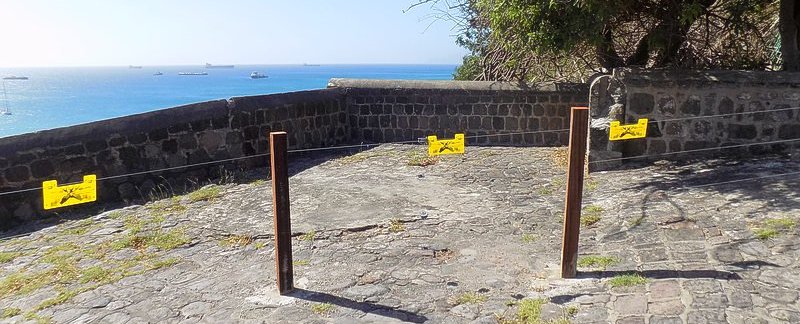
(469, 239)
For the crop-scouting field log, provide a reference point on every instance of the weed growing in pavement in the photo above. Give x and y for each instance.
(627, 280)
(594, 261)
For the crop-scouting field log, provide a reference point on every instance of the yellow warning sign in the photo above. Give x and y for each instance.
(445, 146)
(623, 132)
(79, 193)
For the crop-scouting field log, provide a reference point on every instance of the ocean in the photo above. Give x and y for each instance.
(58, 97)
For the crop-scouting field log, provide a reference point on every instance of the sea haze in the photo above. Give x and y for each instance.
(57, 97)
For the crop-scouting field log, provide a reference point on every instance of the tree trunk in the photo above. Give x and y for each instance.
(789, 16)
(605, 52)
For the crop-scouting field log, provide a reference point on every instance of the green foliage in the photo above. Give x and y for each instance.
(470, 69)
(552, 40)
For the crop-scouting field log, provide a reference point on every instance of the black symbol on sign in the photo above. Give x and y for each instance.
(446, 147)
(70, 194)
(628, 131)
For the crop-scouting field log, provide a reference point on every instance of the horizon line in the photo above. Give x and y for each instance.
(203, 65)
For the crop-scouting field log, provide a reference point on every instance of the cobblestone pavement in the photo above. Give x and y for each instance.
(473, 239)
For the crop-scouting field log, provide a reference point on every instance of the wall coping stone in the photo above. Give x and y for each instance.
(639, 75)
(124, 125)
(455, 85)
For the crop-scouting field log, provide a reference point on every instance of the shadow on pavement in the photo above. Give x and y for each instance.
(382, 310)
(664, 274)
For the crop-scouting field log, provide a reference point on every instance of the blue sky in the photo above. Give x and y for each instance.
(174, 32)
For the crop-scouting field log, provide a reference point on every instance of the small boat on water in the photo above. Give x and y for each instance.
(192, 73)
(256, 75)
(211, 66)
(134, 66)
(14, 77)
(158, 73)
(306, 64)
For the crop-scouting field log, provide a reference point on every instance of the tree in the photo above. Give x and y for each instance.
(790, 35)
(544, 40)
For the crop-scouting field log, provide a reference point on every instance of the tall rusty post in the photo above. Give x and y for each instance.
(578, 137)
(280, 202)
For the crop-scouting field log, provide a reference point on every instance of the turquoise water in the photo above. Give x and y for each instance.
(56, 97)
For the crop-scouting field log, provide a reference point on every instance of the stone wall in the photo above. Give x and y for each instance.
(390, 110)
(169, 138)
(681, 105)
(349, 111)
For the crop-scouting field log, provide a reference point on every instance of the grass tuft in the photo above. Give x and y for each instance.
(774, 227)
(237, 241)
(11, 312)
(116, 215)
(560, 157)
(62, 297)
(422, 160)
(308, 236)
(31, 316)
(204, 194)
(470, 298)
(260, 245)
(80, 228)
(594, 261)
(94, 274)
(590, 184)
(766, 233)
(528, 238)
(627, 280)
(161, 240)
(362, 156)
(530, 310)
(301, 263)
(8, 256)
(591, 215)
(322, 308)
(396, 226)
(163, 263)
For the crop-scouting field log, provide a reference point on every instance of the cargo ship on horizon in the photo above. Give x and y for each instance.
(211, 66)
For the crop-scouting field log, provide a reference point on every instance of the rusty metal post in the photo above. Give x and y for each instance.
(578, 136)
(280, 203)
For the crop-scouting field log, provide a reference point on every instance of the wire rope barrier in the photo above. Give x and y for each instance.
(695, 150)
(366, 145)
(421, 140)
